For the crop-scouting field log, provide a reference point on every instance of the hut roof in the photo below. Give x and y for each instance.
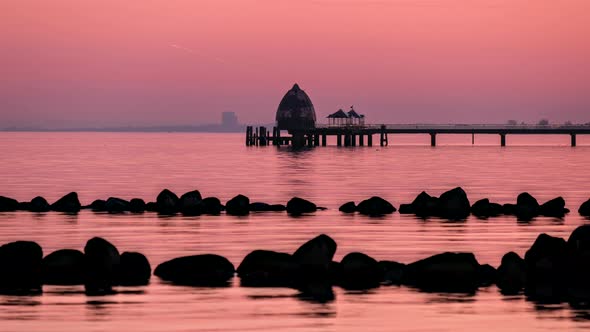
(353, 114)
(338, 115)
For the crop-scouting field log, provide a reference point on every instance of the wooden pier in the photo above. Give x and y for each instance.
(363, 135)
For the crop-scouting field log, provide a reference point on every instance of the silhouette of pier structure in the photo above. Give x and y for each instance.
(296, 116)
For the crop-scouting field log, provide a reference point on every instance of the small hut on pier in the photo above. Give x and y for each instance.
(340, 118)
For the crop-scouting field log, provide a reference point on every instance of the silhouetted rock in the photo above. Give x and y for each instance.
(263, 268)
(511, 275)
(486, 275)
(116, 205)
(211, 205)
(545, 264)
(259, 207)
(348, 207)
(63, 267)
(392, 272)
(359, 271)
(584, 209)
(8, 204)
(527, 207)
(98, 205)
(554, 208)
(578, 249)
(190, 203)
(198, 270)
(20, 268)
(167, 202)
(24, 206)
(137, 205)
(316, 255)
(238, 206)
(406, 209)
(316, 291)
(102, 262)
(454, 204)
(484, 209)
(278, 207)
(39, 204)
(297, 206)
(151, 206)
(423, 206)
(134, 269)
(69, 203)
(447, 272)
(509, 209)
(375, 206)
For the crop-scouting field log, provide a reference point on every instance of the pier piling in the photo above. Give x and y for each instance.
(502, 139)
(432, 139)
(573, 138)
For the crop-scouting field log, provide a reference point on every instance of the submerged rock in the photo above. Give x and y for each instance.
(190, 203)
(63, 267)
(102, 262)
(264, 268)
(68, 203)
(348, 207)
(8, 204)
(116, 205)
(511, 275)
(238, 206)
(98, 205)
(545, 267)
(527, 207)
(167, 202)
(298, 206)
(447, 272)
(197, 270)
(39, 204)
(487, 275)
(20, 268)
(484, 209)
(211, 205)
(375, 206)
(316, 255)
(454, 204)
(554, 208)
(134, 269)
(137, 205)
(359, 271)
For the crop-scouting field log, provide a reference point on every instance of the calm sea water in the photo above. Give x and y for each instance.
(127, 165)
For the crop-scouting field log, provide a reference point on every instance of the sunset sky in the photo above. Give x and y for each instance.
(78, 63)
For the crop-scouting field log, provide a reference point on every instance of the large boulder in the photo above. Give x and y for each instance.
(578, 250)
(116, 205)
(454, 204)
(375, 206)
(20, 268)
(263, 268)
(545, 267)
(197, 270)
(39, 204)
(134, 269)
(392, 272)
(238, 206)
(484, 209)
(359, 271)
(211, 205)
(554, 208)
(447, 272)
(190, 203)
(167, 202)
(63, 267)
(98, 205)
(69, 203)
(316, 255)
(297, 206)
(102, 260)
(527, 207)
(511, 275)
(348, 207)
(8, 204)
(423, 206)
(136, 205)
(584, 209)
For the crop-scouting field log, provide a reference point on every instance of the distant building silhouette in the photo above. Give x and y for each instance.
(295, 110)
(229, 120)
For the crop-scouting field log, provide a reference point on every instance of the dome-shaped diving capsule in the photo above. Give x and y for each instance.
(295, 110)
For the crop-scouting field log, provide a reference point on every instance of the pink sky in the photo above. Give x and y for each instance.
(66, 63)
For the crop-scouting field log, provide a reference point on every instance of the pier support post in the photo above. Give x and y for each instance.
(339, 140)
(352, 140)
(432, 139)
(256, 137)
(573, 137)
(262, 136)
(278, 137)
(324, 140)
(316, 140)
(346, 139)
(297, 140)
(502, 139)
(384, 140)
(361, 140)
(370, 140)
(472, 138)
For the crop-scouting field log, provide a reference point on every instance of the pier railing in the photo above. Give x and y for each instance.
(427, 126)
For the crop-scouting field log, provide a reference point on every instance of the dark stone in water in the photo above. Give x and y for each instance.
(69, 203)
(63, 267)
(298, 206)
(509, 209)
(316, 255)
(116, 205)
(584, 209)
(98, 205)
(454, 205)
(486, 275)
(211, 205)
(578, 249)
(167, 202)
(375, 206)
(423, 206)
(545, 267)
(20, 268)
(198, 270)
(511, 275)
(392, 272)
(102, 262)
(137, 205)
(348, 207)
(259, 207)
(39, 204)
(8, 204)
(446, 272)
(484, 209)
(278, 207)
(554, 208)
(238, 206)
(359, 271)
(151, 206)
(134, 269)
(527, 207)
(406, 209)
(263, 268)
(190, 203)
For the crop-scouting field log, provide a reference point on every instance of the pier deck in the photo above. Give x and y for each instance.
(361, 135)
